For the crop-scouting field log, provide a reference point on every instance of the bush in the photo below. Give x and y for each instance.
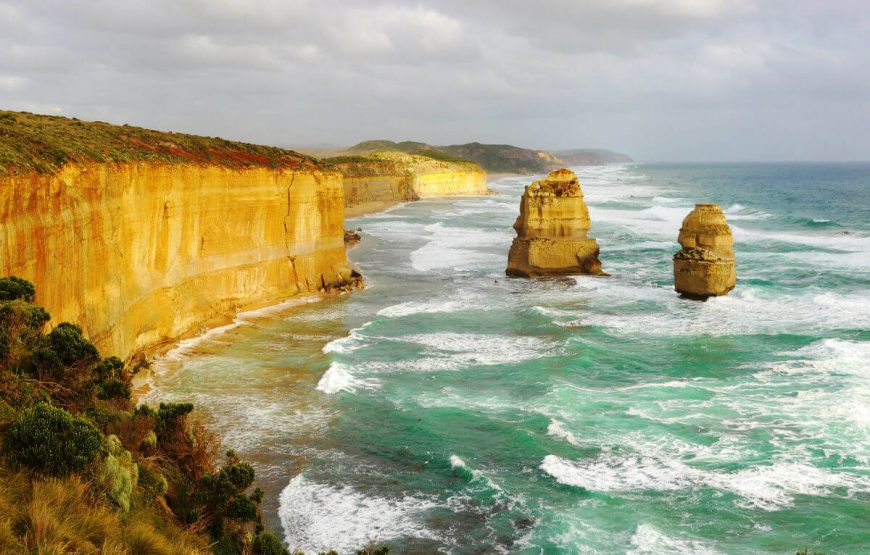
(114, 389)
(108, 369)
(12, 288)
(170, 417)
(68, 343)
(118, 474)
(52, 441)
(267, 544)
(4, 345)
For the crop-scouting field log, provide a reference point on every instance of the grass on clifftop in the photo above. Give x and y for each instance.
(398, 163)
(43, 144)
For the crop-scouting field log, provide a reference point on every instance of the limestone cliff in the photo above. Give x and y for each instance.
(378, 180)
(552, 230)
(705, 265)
(140, 253)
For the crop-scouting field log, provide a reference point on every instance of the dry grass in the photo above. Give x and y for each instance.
(30, 142)
(62, 517)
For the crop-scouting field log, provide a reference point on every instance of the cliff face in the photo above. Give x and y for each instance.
(705, 266)
(382, 179)
(144, 252)
(551, 230)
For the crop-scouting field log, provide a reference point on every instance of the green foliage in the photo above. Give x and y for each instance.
(169, 417)
(12, 288)
(52, 441)
(45, 143)
(4, 345)
(114, 389)
(45, 362)
(118, 474)
(68, 343)
(267, 543)
(109, 368)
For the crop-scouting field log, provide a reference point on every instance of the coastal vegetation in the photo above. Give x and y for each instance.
(84, 470)
(498, 158)
(43, 144)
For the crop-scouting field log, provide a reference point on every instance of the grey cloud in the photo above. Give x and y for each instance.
(662, 79)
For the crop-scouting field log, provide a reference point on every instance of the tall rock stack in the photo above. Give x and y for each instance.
(705, 266)
(551, 230)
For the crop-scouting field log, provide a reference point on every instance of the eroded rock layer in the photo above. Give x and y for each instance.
(705, 266)
(552, 230)
(383, 179)
(141, 253)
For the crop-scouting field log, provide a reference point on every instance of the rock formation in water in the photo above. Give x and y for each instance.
(705, 266)
(141, 237)
(551, 230)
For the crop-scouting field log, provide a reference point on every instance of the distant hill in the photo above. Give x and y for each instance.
(493, 158)
(592, 157)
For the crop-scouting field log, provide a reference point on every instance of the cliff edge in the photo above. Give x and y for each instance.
(552, 230)
(141, 237)
(381, 179)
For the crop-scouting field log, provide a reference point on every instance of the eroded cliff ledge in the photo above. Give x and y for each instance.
(705, 266)
(184, 233)
(552, 230)
(382, 179)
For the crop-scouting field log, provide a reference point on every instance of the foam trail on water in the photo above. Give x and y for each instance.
(319, 517)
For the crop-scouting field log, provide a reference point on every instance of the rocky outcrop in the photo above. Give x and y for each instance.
(144, 252)
(552, 230)
(382, 179)
(705, 266)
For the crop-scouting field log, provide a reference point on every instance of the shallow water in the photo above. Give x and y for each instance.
(449, 408)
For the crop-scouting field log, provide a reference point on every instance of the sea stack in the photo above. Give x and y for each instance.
(705, 266)
(551, 230)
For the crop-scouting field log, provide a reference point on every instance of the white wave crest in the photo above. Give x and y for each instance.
(318, 517)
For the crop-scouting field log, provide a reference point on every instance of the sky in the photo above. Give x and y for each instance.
(661, 80)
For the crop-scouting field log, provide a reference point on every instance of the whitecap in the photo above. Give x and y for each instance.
(648, 540)
(338, 378)
(318, 517)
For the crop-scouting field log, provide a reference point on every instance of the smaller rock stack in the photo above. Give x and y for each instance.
(705, 266)
(551, 230)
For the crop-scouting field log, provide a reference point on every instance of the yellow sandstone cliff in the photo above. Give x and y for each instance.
(144, 252)
(705, 266)
(551, 230)
(376, 181)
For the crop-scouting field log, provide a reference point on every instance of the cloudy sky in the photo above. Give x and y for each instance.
(658, 79)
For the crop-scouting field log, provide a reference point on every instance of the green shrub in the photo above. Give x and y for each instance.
(114, 389)
(170, 416)
(52, 441)
(68, 343)
(109, 368)
(45, 362)
(12, 288)
(4, 344)
(267, 543)
(118, 474)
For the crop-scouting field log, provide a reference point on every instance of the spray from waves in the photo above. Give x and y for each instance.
(338, 378)
(557, 429)
(772, 312)
(345, 345)
(318, 517)
(647, 540)
(769, 488)
(444, 352)
(475, 252)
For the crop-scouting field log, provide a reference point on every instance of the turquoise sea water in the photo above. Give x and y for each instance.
(448, 408)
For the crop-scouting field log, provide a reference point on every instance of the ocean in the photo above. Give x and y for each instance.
(447, 408)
